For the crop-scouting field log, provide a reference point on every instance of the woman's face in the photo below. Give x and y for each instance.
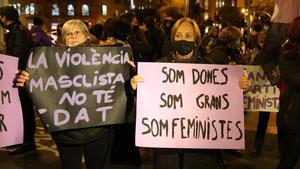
(185, 32)
(184, 40)
(74, 36)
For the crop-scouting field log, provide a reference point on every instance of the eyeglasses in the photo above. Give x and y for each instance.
(73, 34)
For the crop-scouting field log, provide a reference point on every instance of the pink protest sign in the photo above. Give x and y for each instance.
(11, 119)
(190, 106)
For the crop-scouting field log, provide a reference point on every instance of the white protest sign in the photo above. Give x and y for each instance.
(261, 96)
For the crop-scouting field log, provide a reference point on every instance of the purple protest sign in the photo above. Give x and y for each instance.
(190, 106)
(11, 119)
(261, 96)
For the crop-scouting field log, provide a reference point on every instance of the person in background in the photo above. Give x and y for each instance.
(226, 51)
(210, 39)
(141, 48)
(153, 35)
(263, 117)
(123, 153)
(170, 16)
(185, 38)
(19, 43)
(96, 31)
(288, 117)
(59, 41)
(39, 35)
(115, 30)
(257, 28)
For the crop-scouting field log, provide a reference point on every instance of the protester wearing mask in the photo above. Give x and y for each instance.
(185, 38)
(226, 50)
(18, 44)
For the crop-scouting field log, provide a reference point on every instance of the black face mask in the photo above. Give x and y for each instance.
(184, 47)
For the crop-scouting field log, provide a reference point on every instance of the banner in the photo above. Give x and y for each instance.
(261, 96)
(190, 106)
(11, 118)
(79, 87)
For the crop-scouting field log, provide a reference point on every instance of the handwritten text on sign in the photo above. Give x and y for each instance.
(261, 96)
(11, 119)
(189, 106)
(79, 87)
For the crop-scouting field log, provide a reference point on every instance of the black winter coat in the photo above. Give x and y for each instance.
(18, 43)
(288, 116)
(221, 54)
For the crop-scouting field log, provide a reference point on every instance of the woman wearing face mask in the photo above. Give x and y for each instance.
(185, 38)
(226, 51)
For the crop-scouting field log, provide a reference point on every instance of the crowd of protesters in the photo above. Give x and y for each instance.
(169, 37)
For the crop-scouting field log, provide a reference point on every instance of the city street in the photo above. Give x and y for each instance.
(153, 84)
(46, 156)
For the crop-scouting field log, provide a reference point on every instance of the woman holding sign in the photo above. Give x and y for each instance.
(185, 38)
(91, 143)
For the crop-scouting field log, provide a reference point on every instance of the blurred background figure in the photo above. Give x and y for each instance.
(96, 31)
(169, 17)
(39, 35)
(141, 48)
(210, 39)
(59, 41)
(153, 35)
(255, 59)
(226, 51)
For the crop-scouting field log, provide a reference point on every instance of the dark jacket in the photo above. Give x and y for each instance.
(18, 43)
(141, 49)
(154, 37)
(40, 37)
(221, 54)
(288, 116)
(208, 43)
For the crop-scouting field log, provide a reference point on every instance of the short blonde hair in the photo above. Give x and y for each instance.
(74, 22)
(195, 27)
